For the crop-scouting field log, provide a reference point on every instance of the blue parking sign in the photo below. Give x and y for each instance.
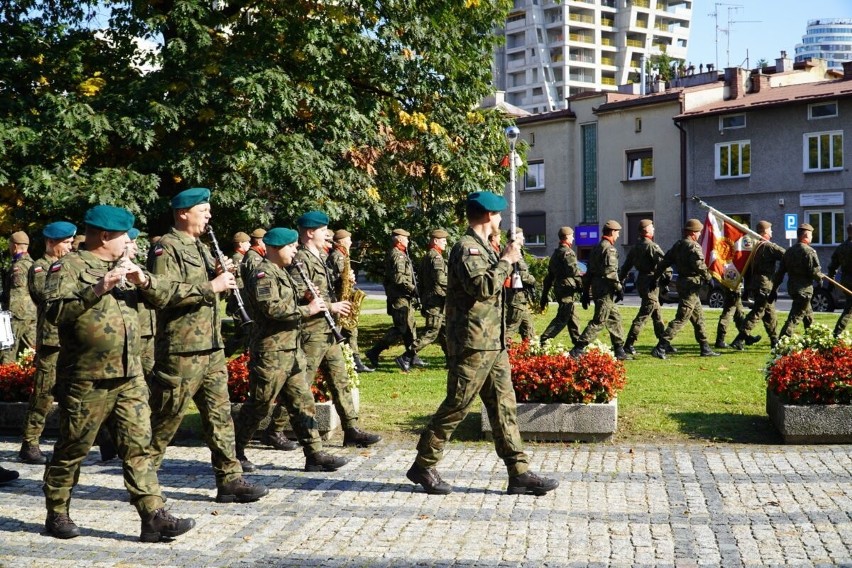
(791, 221)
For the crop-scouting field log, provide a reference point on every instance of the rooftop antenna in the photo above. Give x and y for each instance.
(715, 15)
(731, 10)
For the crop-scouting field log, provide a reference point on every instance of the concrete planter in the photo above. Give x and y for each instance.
(556, 422)
(812, 423)
(12, 415)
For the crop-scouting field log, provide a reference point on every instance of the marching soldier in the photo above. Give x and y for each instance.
(801, 265)
(147, 316)
(432, 277)
(190, 360)
(606, 290)
(478, 356)
(58, 238)
(563, 275)
(765, 257)
(277, 368)
(841, 259)
(99, 372)
(687, 256)
(645, 256)
(402, 299)
(340, 265)
(254, 255)
(732, 309)
(16, 298)
(518, 317)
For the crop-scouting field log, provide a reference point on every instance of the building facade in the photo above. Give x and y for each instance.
(829, 39)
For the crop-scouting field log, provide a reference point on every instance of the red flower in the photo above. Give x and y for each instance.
(238, 381)
(16, 382)
(811, 376)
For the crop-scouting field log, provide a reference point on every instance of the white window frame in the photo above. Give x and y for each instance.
(832, 166)
(538, 178)
(636, 161)
(723, 126)
(824, 103)
(740, 144)
(837, 230)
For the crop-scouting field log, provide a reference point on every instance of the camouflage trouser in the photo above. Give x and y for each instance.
(846, 315)
(41, 399)
(25, 338)
(800, 311)
(435, 330)
(202, 378)
(606, 315)
(351, 336)
(472, 373)
(688, 309)
(320, 349)
(279, 374)
(566, 316)
(649, 307)
(519, 320)
(762, 309)
(403, 330)
(83, 407)
(732, 309)
(147, 352)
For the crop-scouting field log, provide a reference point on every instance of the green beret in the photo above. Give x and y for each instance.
(439, 234)
(59, 230)
(133, 233)
(313, 220)
(280, 237)
(189, 197)
(693, 225)
(400, 233)
(486, 201)
(109, 218)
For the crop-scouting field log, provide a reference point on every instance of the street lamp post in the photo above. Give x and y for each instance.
(512, 135)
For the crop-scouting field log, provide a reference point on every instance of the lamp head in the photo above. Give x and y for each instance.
(512, 134)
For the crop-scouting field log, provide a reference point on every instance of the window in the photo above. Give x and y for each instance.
(828, 226)
(733, 159)
(534, 225)
(732, 121)
(534, 178)
(640, 164)
(823, 151)
(822, 110)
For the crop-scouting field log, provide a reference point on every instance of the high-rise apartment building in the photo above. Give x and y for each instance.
(557, 49)
(829, 39)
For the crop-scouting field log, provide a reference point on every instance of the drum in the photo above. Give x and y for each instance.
(7, 336)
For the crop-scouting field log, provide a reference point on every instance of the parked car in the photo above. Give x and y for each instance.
(829, 298)
(711, 295)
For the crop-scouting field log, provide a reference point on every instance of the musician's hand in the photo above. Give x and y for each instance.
(341, 308)
(229, 267)
(224, 282)
(109, 281)
(316, 306)
(352, 276)
(134, 273)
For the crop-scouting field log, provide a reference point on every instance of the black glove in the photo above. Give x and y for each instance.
(618, 296)
(773, 295)
(584, 299)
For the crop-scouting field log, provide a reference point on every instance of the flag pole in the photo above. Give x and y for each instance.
(733, 222)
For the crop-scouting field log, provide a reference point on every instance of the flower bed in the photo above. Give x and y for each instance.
(17, 379)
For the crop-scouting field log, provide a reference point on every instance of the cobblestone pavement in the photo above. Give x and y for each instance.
(639, 505)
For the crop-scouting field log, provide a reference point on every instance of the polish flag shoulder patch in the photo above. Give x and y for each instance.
(55, 267)
(37, 269)
(473, 251)
(261, 275)
(158, 251)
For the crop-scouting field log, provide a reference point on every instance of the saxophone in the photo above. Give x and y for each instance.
(348, 292)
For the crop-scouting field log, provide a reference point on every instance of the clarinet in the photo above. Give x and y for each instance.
(245, 319)
(338, 337)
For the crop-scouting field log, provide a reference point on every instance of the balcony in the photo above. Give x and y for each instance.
(641, 3)
(608, 22)
(581, 38)
(585, 18)
(607, 41)
(608, 61)
(608, 81)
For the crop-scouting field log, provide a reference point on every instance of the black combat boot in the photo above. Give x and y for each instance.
(578, 349)
(247, 466)
(322, 461)
(30, 453)
(670, 349)
(161, 524)
(360, 366)
(530, 484)
(7, 475)
(706, 351)
(752, 339)
(417, 361)
(720, 344)
(240, 491)
(660, 350)
(372, 356)
(429, 478)
(628, 346)
(278, 441)
(358, 438)
(404, 361)
(60, 525)
(621, 353)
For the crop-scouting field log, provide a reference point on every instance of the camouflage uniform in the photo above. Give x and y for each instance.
(190, 362)
(241, 335)
(603, 275)
(147, 332)
(336, 262)
(687, 257)
(801, 265)
(563, 274)
(764, 259)
(99, 377)
(401, 291)
(277, 367)
(432, 276)
(842, 258)
(732, 309)
(645, 256)
(478, 359)
(16, 297)
(518, 317)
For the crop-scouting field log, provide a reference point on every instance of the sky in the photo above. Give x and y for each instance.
(760, 29)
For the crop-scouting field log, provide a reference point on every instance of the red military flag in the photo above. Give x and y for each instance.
(727, 250)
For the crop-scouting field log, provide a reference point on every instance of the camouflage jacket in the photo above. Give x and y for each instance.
(277, 315)
(251, 260)
(317, 272)
(432, 279)
(336, 263)
(685, 255)
(841, 259)
(17, 292)
(99, 336)
(515, 297)
(191, 320)
(801, 265)
(563, 275)
(237, 259)
(399, 275)
(603, 269)
(475, 303)
(765, 257)
(46, 334)
(645, 256)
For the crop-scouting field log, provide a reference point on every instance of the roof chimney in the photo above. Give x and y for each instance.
(783, 64)
(735, 81)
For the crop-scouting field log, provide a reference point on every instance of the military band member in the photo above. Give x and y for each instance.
(564, 278)
(686, 255)
(58, 238)
(99, 372)
(478, 357)
(16, 298)
(801, 265)
(190, 360)
(277, 367)
(254, 254)
(644, 256)
(432, 285)
(518, 317)
(340, 265)
(841, 259)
